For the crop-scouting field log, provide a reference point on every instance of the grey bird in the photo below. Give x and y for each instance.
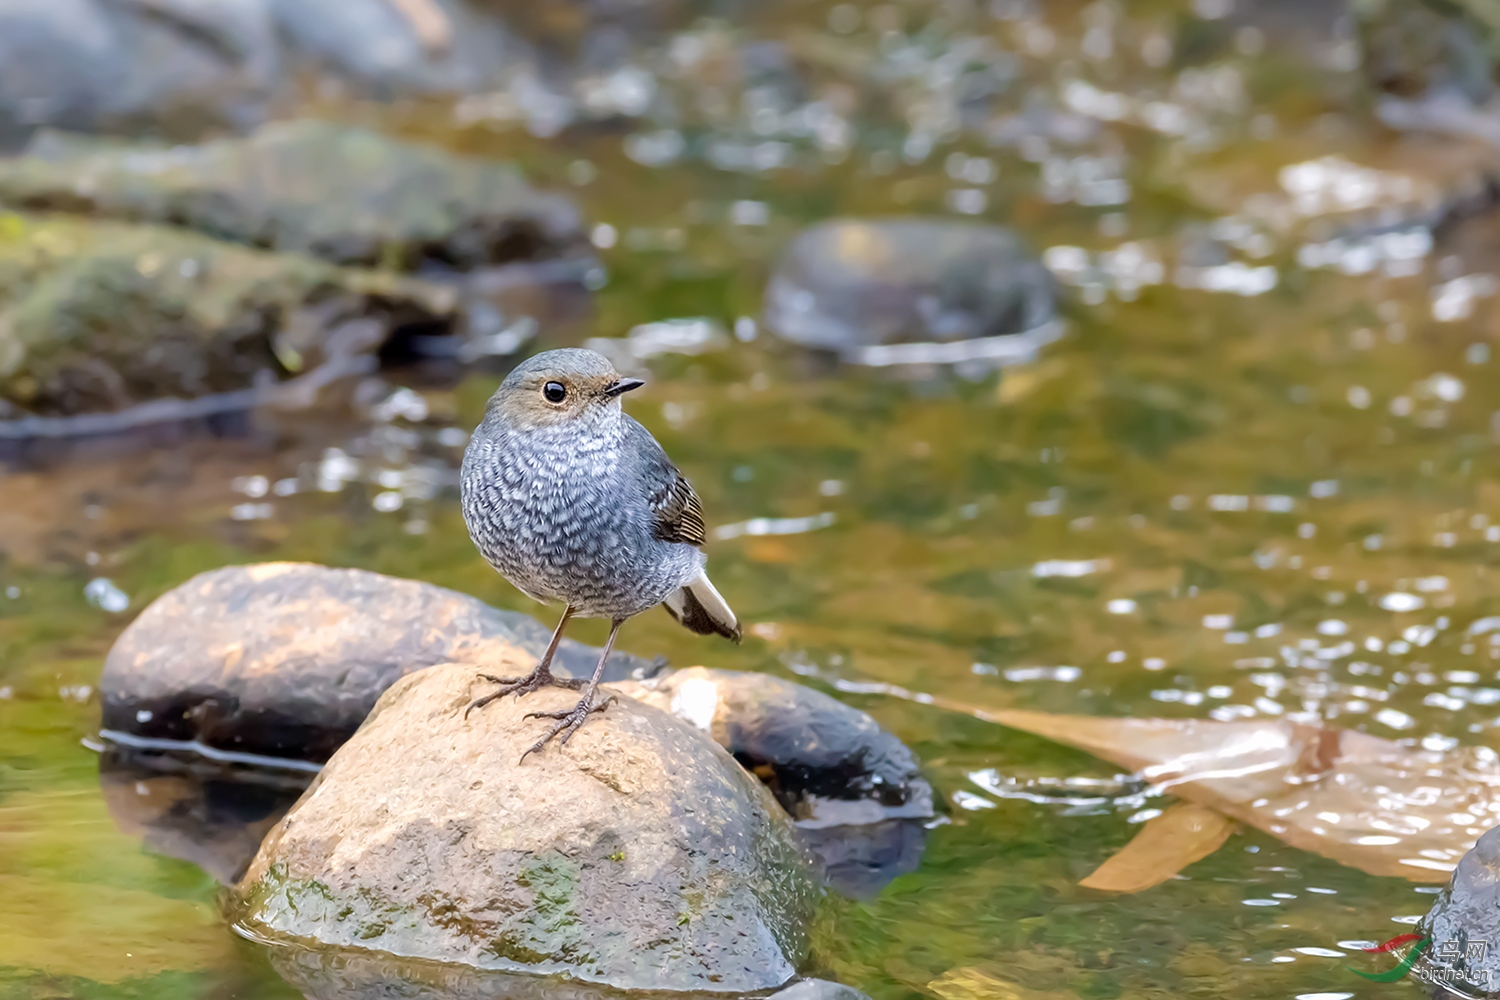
(573, 501)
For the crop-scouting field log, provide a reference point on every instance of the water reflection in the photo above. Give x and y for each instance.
(201, 812)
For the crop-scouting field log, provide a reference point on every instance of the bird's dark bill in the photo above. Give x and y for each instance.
(624, 385)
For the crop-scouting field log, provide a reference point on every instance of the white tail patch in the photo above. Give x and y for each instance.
(701, 608)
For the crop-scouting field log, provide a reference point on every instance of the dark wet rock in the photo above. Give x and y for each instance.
(861, 859)
(99, 317)
(286, 659)
(345, 194)
(859, 287)
(637, 855)
(1464, 925)
(827, 763)
(854, 790)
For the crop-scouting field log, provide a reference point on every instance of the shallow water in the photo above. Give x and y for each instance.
(1256, 477)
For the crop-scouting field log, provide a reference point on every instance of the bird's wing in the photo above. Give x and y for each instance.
(676, 515)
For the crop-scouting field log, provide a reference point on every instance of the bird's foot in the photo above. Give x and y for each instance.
(568, 720)
(521, 686)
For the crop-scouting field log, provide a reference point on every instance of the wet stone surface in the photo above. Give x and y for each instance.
(848, 285)
(827, 763)
(1463, 958)
(287, 659)
(637, 855)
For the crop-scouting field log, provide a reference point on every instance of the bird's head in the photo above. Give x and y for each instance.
(555, 387)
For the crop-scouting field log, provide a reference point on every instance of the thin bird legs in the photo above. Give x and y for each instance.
(536, 680)
(568, 721)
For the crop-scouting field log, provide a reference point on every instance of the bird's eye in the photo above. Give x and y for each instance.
(555, 392)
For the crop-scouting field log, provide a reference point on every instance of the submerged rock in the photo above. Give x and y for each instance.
(638, 855)
(1464, 927)
(286, 659)
(322, 973)
(345, 194)
(103, 316)
(875, 291)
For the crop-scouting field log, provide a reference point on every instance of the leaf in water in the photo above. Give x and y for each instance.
(1376, 805)
(129, 934)
(974, 983)
(1185, 833)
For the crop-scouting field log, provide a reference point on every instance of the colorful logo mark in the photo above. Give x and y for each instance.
(1408, 960)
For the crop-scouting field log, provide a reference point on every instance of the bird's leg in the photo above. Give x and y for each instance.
(569, 720)
(536, 680)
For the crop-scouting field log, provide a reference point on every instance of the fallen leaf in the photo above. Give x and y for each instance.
(974, 983)
(1360, 800)
(1185, 833)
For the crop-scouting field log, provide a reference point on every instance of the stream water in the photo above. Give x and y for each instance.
(1256, 476)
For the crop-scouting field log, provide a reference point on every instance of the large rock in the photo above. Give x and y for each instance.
(895, 290)
(287, 659)
(345, 194)
(99, 317)
(638, 855)
(1464, 925)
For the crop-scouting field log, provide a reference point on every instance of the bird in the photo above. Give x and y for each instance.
(574, 502)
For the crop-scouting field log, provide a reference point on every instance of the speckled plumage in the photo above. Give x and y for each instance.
(574, 501)
(565, 512)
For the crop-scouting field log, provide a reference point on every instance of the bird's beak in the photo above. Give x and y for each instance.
(621, 386)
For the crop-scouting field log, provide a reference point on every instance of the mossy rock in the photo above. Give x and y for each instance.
(637, 855)
(100, 316)
(347, 195)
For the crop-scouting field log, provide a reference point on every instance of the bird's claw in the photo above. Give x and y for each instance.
(522, 686)
(568, 721)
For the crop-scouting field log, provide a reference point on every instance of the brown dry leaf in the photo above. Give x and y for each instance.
(1366, 802)
(1185, 833)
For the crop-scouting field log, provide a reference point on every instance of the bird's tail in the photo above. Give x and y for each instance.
(701, 608)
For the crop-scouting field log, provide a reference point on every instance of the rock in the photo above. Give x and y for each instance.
(183, 67)
(874, 290)
(854, 790)
(100, 316)
(1464, 925)
(344, 194)
(638, 855)
(827, 764)
(86, 64)
(286, 659)
(1411, 47)
(818, 989)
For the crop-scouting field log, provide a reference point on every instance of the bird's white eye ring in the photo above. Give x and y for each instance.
(555, 392)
